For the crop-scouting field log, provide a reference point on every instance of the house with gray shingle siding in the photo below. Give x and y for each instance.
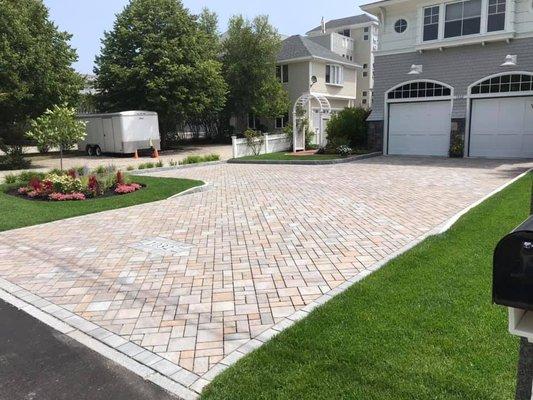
(453, 78)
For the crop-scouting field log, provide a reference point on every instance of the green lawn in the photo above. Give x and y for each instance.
(423, 327)
(16, 212)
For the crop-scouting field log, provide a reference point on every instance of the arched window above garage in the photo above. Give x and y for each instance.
(507, 83)
(419, 89)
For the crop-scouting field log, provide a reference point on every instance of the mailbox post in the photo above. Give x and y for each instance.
(513, 287)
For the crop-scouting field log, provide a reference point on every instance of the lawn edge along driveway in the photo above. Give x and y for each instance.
(421, 328)
(17, 212)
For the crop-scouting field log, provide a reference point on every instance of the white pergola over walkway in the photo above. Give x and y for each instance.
(302, 103)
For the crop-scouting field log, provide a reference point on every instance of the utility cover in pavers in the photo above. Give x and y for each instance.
(158, 245)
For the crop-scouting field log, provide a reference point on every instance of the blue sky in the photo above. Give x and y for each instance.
(88, 19)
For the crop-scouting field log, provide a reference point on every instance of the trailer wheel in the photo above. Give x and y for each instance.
(90, 151)
(97, 151)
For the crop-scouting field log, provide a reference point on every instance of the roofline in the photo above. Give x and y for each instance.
(376, 5)
(353, 26)
(311, 58)
(360, 24)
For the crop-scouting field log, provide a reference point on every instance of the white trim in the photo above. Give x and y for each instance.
(469, 97)
(411, 100)
(313, 58)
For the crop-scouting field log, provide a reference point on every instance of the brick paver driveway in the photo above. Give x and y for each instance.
(183, 285)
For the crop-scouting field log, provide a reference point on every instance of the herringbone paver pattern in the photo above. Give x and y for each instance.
(260, 244)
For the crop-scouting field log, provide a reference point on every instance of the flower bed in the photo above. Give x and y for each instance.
(77, 185)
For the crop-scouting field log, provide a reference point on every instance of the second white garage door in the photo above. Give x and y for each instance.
(420, 128)
(502, 127)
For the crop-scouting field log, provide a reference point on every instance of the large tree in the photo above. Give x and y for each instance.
(35, 66)
(159, 58)
(250, 51)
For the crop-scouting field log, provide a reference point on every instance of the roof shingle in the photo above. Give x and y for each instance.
(299, 47)
(353, 20)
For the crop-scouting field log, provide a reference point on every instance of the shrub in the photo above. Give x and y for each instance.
(10, 178)
(159, 164)
(13, 157)
(344, 150)
(254, 141)
(173, 163)
(100, 170)
(195, 159)
(65, 183)
(130, 168)
(348, 128)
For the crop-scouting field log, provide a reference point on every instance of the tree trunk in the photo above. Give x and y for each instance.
(61, 157)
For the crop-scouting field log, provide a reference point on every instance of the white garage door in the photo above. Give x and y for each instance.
(421, 128)
(502, 127)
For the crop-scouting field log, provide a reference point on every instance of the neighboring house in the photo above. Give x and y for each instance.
(454, 72)
(304, 59)
(362, 31)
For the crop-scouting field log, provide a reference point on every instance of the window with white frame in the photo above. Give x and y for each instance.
(505, 84)
(419, 89)
(334, 74)
(462, 18)
(282, 73)
(496, 16)
(282, 122)
(431, 23)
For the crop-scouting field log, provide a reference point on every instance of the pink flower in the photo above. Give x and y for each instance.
(127, 188)
(66, 196)
(23, 190)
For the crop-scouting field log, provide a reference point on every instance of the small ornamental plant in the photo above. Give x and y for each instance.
(74, 185)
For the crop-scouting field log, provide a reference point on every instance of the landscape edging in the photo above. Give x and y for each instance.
(307, 162)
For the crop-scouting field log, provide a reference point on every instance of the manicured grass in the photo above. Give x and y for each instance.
(16, 212)
(284, 156)
(423, 327)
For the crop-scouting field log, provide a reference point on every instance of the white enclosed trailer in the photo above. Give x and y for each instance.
(122, 132)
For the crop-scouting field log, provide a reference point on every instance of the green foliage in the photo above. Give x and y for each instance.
(130, 168)
(457, 146)
(343, 150)
(195, 159)
(249, 58)
(173, 163)
(24, 177)
(57, 127)
(146, 165)
(13, 157)
(159, 58)
(65, 183)
(35, 66)
(254, 141)
(348, 128)
(159, 164)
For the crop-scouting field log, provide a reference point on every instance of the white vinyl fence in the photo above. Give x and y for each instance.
(273, 143)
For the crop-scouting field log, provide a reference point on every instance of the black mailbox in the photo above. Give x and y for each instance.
(512, 283)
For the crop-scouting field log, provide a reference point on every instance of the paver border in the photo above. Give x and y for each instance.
(147, 171)
(307, 162)
(170, 376)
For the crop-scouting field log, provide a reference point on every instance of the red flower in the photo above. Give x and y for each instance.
(72, 173)
(124, 189)
(66, 197)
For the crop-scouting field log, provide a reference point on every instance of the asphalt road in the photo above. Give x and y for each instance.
(38, 363)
